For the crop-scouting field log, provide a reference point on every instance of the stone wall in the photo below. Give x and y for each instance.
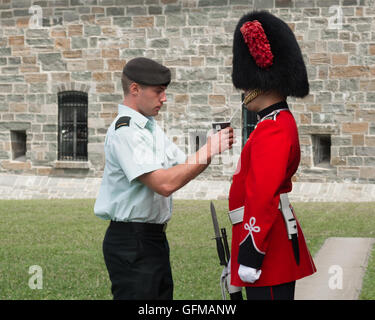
(49, 187)
(57, 45)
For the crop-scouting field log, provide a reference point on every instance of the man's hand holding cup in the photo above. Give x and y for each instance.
(221, 138)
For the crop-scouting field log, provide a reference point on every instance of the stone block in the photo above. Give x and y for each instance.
(72, 54)
(116, 98)
(199, 99)
(51, 62)
(370, 141)
(49, 128)
(95, 64)
(102, 76)
(351, 127)
(159, 43)
(105, 88)
(369, 161)
(341, 140)
(338, 161)
(216, 100)
(322, 118)
(304, 4)
(181, 98)
(349, 71)
(199, 86)
(283, 3)
(5, 88)
(318, 129)
(123, 22)
(365, 151)
(348, 172)
(211, 3)
(11, 78)
(36, 77)
(136, 11)
(18, 107)
(79, 43)
(75, 30)
(14, 60)
(143, 22)
(358, 139)
(90, 31)
(367, 172)
(355, 161)
(132, 53)
(71, 165)
(198, 19)
(370, 97)
(115, 64)
(319, 58)
(16, 40)
(70, 16)
(5, 51)
(367, 85)
(349, 2)
(16, 165)
(328, 3)
(346, 151)
(305, 118)
(111, 53)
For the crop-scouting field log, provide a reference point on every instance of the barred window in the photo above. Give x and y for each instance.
(249, 121)
(72, 119)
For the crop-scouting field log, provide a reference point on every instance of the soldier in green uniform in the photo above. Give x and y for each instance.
(142, 169)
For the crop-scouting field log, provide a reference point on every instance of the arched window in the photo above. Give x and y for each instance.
(72, 135)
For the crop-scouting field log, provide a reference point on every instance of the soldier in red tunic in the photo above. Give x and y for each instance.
(269, 251)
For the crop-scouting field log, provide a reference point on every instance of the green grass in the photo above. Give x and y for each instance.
(65, 239)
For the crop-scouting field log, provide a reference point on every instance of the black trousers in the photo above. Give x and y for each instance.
(137, 259)
(283, 291)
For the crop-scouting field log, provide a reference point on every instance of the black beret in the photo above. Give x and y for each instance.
(147, 72)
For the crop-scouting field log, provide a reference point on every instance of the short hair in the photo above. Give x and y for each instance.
(126, 83)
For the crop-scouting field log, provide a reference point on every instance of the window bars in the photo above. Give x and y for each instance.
(249, 121)
(72, 134)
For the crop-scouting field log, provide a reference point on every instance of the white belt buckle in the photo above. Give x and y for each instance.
(290, 221)
(236, 215)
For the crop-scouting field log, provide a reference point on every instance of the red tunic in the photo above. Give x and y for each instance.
(268, 161)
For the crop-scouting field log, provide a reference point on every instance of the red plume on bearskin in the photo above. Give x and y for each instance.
(266, 56)
(257, 42)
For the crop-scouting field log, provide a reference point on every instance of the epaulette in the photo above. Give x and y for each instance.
(272, 116)
(122, 122)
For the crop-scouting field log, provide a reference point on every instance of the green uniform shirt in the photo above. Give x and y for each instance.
(138, 146)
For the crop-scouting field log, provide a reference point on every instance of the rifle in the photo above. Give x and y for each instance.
(224, 257)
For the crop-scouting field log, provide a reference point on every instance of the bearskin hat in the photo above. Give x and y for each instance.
(266, 56)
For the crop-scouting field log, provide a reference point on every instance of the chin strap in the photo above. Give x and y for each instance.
(251, 96)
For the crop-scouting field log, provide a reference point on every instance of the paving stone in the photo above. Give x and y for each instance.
(341, 264)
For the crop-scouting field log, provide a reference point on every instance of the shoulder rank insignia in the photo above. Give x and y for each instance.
(122, 122)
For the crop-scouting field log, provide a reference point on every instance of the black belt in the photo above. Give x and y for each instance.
(138, 226)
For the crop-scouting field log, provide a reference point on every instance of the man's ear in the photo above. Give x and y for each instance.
(134, 89)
